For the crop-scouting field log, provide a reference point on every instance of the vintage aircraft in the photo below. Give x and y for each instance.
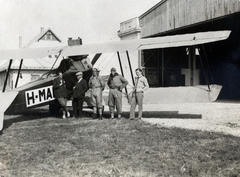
(39, 92)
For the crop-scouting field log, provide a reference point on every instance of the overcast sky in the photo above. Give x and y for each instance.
(95, 21)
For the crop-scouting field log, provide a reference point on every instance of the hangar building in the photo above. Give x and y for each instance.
(216, 63)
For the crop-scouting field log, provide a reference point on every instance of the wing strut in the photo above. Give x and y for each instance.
(119, 59)
(163, 67)
(6, 79)
(130, 66)
(19, 70)
(95, 58)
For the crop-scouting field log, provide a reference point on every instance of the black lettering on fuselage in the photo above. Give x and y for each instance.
(49, 94)
(30, 98)
(41, 94)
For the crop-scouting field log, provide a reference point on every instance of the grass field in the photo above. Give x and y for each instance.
(36, 146)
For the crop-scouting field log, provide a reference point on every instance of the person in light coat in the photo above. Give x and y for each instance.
(141, 85)
(96, 85)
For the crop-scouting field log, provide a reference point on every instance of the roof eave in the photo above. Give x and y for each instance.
(153, 8)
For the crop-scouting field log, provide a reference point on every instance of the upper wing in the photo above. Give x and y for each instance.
(138, 44)
(29, 53)
(149, 43)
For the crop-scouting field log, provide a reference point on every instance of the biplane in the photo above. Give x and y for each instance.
(40, 92)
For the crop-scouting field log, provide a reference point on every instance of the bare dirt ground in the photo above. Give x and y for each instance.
(223, 117)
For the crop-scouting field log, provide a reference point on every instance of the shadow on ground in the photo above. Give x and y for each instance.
(44, 113)
(32, 114)
(25, 116)
(161, 114)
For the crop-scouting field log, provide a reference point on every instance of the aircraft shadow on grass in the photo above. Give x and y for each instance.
(165, 114)
(26, 116)
(42, 114)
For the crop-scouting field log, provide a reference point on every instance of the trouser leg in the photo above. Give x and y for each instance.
(94, 103)
(100, 111)
(80, 106)
(139, 97)
(133, 106)
(94, 110)
(75, 107)
(93, 98)
(111, 101)
(99, 98)
(99, 101)
(94, 116)
(119, 102)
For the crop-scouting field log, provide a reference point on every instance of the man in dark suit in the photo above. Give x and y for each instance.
(78, 95)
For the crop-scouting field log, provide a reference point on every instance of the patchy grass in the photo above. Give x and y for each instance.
(52, 147)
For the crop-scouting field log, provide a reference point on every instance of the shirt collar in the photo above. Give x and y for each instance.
(139, 76)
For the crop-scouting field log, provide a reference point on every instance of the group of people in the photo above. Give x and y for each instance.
(96, 85)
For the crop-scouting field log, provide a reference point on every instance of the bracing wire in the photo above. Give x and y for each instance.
(207, 63)
(55, 62)
(204, 72)
(108, 62)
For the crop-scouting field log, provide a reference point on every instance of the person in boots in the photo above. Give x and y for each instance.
(116, 83)
(96, 85)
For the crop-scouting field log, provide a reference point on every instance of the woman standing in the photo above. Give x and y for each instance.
(60, 93)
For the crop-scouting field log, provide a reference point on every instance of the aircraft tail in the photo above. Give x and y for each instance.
(5, 99)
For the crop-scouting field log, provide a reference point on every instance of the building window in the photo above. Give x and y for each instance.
(48, 36)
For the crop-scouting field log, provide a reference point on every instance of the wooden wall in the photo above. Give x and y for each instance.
(173, 14)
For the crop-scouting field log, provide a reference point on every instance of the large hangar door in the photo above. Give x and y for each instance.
(169, 67)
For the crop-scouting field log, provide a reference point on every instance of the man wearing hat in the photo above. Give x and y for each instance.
(116, 83)
(78, 95)
(97, 85)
